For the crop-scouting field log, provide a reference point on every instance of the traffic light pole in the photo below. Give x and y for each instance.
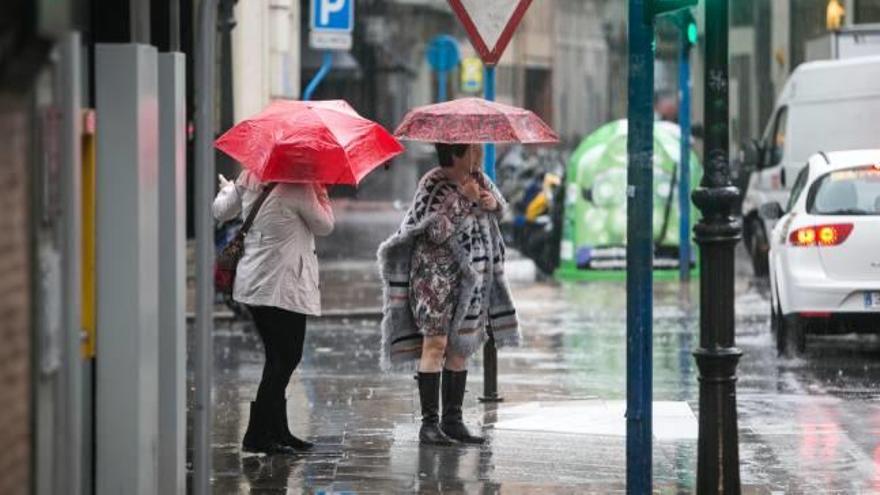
(717, 235)
(684, 174)
(639, 249)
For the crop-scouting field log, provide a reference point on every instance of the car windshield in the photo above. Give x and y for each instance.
(854, 191)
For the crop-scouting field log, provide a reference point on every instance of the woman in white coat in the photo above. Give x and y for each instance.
(277, 279)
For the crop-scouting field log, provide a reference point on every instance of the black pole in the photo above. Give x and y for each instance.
(717, 234)
(490, 372)
(227, 100)
(226, 23)
(165, 25)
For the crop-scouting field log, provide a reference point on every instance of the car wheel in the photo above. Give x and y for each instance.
(796, 335)
(759, 248)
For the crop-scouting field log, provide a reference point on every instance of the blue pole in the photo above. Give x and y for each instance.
(326, 65)
(441, 86)
(639, 250)
(684, 183)
(489, 94)
(490, 351)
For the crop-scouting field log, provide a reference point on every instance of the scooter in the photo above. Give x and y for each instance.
(533, 185)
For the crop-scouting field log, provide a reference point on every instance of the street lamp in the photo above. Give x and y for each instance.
(717, 234)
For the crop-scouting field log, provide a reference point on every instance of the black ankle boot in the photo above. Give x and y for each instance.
(429, 394)
(282, 430)
(258, 438)
(453, 397)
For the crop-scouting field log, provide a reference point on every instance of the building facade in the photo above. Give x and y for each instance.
(768, 41)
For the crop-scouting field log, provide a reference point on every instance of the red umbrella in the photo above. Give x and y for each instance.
(309, 141)
(474, 120)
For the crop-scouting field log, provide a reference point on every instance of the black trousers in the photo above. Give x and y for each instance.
(283, 334)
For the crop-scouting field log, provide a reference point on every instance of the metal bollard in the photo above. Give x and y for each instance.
(490, 372)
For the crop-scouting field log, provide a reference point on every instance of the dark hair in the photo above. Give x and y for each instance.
(446, 152)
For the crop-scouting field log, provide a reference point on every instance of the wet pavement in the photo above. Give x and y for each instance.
(810, 425)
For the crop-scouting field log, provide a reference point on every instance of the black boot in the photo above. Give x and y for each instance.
(429, 394)
(282, 430)
(258, 438)
(453, 397)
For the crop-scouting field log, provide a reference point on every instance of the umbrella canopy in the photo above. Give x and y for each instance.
(474, 120)
(309, 141)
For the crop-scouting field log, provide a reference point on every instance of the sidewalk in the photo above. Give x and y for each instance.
(560, 429)
(561, 426)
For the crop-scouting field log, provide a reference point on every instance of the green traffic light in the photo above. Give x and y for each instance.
(692, 34)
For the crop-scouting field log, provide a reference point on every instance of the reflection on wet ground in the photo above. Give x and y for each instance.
(806, 426)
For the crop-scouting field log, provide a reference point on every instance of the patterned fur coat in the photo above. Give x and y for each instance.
(401, 339)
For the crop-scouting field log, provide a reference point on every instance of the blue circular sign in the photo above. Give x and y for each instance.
(443, 53)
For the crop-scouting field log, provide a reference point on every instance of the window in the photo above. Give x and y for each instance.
(854, 191)
(776, 144)
(798, 187)
(867, 11)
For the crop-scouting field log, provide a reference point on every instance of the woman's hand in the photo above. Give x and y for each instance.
(224, 182)
(321, 192)
(471, 190)
(488, 201)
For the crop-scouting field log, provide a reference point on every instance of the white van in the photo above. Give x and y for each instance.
(825, 106)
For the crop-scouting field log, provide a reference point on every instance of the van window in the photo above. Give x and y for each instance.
(776, 146)
(798, 188)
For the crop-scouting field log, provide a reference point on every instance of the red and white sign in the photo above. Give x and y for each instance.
(490, 24)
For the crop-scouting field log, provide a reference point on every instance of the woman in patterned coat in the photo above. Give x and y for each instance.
(443, 274)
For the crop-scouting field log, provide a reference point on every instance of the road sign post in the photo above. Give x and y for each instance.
(639, 242)
(490, 25)
(443, 55)
(639, 250)
(331, 24)
(489, 94)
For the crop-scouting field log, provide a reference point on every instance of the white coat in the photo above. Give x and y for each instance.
(279, 267)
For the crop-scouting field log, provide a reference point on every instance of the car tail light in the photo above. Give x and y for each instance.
(821, 235)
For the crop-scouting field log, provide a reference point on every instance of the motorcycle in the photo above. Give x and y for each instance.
(533, 184)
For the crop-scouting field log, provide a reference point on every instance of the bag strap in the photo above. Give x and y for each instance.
(249, 221)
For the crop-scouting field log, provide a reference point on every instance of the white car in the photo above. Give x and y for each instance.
(824, 259)
(827, 106)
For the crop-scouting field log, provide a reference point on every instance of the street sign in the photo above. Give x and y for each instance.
(443, 54)
(471, 75)
(332, 22)
(490, 24)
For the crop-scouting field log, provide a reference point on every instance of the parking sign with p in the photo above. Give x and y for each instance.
(333, 15)
(332, 22)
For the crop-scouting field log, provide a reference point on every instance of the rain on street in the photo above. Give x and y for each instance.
(807, 425)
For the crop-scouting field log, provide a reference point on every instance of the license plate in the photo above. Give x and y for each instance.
(872, 300)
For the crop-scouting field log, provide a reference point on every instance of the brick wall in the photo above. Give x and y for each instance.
(14, 298)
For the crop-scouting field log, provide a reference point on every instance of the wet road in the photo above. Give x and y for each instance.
(808, 425)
